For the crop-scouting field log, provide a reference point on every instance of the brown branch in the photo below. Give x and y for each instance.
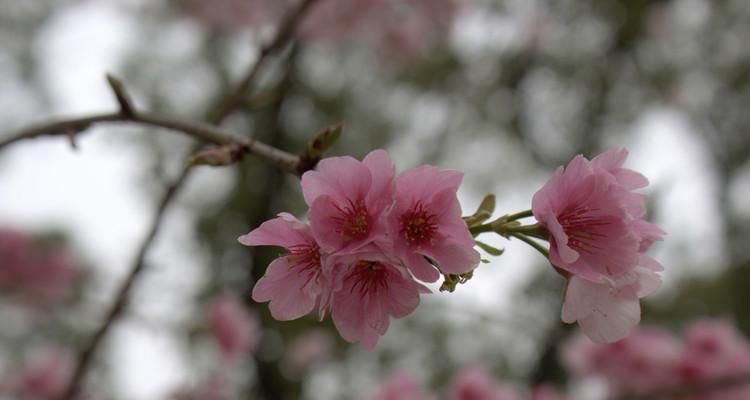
(691, 389)
(234, 100)
(203, 132)
(283, 36)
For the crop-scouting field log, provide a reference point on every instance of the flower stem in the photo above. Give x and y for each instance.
(519, 215)
(531, 243)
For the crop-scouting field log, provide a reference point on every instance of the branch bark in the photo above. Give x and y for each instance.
(201, 131)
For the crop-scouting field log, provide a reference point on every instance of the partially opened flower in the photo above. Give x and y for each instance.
(373, 289)
(293, 283)
(425, 221)
(347, 199)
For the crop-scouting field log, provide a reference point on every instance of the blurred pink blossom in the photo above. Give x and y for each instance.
(308, 348)
(229, 14)
(401, 386)
(474, 383)
(44, 375)
(653, 360)
(235, 328)
(39, 275)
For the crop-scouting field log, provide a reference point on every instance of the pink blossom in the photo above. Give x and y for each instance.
(401, 386)
(44, 376)
(598, 237)
(228, 14)
(294, 282)
(546, 392)
(592, 217)
(425, 221)
(474, 383)
(347, 200)
(40, 275)
(609, 309)
(714, 349)
(642, 362)
(373, 289)
(307, 349)
(236, 330)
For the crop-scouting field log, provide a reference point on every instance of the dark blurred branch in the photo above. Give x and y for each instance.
(201, 131)
(689, 390)
(283, 36)
(234, 100)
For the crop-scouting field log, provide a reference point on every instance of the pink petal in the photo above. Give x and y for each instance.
(453, 258)
(286, 290)
(284, 231)
(342, 178)
(323, 214)
(421, 268)
(381, 168)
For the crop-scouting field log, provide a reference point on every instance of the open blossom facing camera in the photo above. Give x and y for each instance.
(370, 234)
(598, 237)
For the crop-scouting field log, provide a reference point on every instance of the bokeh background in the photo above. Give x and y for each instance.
(504, 91)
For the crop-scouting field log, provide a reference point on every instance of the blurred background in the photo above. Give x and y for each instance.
(504, 91)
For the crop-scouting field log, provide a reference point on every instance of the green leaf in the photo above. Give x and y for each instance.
(489, 249)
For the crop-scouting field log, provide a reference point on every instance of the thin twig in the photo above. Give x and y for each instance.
(86, 356)
(283, 36)
(201, 131)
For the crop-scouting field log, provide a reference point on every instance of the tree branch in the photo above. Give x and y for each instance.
(234, 100)
(203, 132)
(283, 36)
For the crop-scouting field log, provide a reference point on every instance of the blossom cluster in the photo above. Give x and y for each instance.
(598, 240)
(471, 383)
(37, 275)
(370, 234)
(653, 359)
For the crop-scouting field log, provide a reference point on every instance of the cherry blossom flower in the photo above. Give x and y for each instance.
(401, 386)
(347, 199)
(44, 375)
(39, 275)
(652, 360)
(642, 362)
(236, 330)
(229, 14)
(293, 283)
(474, 383)
(598, 237)
(373, 289)
(425, 221)
(590, 213)
(307, 349)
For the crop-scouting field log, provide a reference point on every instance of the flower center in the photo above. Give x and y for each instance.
(306, 261)
(418, 225)
(355, 220)
(368, 276)
(581, 224)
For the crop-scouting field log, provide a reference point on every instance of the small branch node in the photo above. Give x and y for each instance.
(123, 99)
